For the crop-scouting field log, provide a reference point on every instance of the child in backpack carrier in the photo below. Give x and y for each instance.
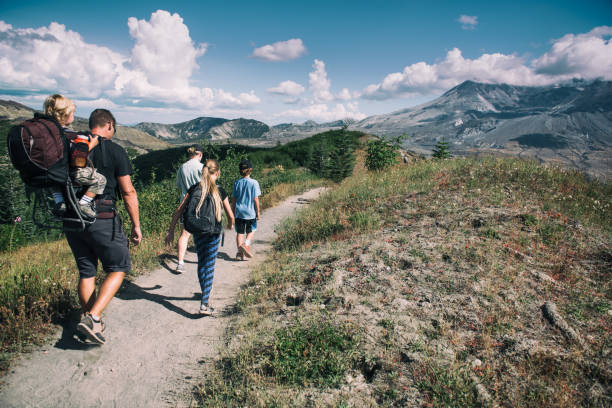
(81, 168)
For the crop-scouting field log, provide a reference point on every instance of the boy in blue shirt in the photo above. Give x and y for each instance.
(245, 204)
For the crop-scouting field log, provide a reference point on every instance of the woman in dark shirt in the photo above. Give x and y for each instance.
(207, 245)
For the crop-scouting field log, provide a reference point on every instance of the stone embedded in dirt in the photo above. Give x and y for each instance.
(596, 394)
(334, 302)
(552, 315)
(543, 277)
(293, 297)
(478, 222)
(411, 356)
(482, 395)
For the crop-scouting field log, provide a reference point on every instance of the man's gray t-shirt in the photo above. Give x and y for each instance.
(188, 174)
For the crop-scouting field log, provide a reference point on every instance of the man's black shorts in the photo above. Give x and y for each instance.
(103, 240)
(246, 226)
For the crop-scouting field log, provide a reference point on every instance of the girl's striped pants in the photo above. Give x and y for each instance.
(207, 246)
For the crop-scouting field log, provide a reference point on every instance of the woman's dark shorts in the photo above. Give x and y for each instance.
(246, 226)
(103, 240)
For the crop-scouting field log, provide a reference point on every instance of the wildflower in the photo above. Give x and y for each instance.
(17, 219)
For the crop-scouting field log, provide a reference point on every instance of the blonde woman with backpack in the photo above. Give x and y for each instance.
(204, 201)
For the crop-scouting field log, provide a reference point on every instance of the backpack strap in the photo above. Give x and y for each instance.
(105, 151)
(105, 208)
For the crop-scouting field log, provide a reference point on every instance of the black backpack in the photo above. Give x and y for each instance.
(206, 222)
(39, 150)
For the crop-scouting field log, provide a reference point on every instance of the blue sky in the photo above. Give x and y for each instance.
(289, 61)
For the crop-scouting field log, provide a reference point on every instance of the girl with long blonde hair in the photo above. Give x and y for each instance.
(207, 245)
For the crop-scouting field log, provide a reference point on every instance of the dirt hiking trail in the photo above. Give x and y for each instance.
(156, 342)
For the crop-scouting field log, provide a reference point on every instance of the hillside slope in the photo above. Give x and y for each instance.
(464, 283)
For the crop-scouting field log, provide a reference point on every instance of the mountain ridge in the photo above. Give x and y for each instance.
(568, 123)
(127, 136)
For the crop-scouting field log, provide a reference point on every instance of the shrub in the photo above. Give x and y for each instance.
(382, 153)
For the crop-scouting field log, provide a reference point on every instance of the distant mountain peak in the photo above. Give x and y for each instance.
(575, 116)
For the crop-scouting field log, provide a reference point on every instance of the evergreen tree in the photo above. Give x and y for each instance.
(319, 163)
(382, 153)
(342, 161)
(441, 150)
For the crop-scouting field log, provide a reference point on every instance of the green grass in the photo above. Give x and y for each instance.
(446, 386)
(307, 353)
(360, 203)
(311, 353)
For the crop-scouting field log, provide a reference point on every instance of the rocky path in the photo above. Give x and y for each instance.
(156, 344)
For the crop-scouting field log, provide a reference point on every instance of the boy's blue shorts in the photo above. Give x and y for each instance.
(246, 226)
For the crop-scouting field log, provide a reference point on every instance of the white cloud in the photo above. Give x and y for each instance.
(468, 22)
(91, 104)
(346, 95)
(227, 100)
(292, 101)
(281, 51)
(319, 84)
(163, 50)
(56, 60)
(321, 112)
(287, 88)
(585, 56)
(159, 69)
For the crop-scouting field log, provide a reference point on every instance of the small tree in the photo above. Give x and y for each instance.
(346, 123)
(383, 153)
(341, 162)
(441, 150)
(319, 160)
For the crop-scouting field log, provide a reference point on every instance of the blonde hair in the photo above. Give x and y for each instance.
(208, 186)
(59, 107)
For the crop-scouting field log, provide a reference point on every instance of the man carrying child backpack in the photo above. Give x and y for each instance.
(39, 149)
(104, 240)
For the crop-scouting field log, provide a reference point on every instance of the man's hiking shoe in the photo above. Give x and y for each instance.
(246, 249)
(87, 210)
(240, 255)
(59, 209)
(91, 329)
(206, 310)
(180, 268)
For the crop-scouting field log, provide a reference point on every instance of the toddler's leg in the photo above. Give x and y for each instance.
(59, 209)
(88, 176)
